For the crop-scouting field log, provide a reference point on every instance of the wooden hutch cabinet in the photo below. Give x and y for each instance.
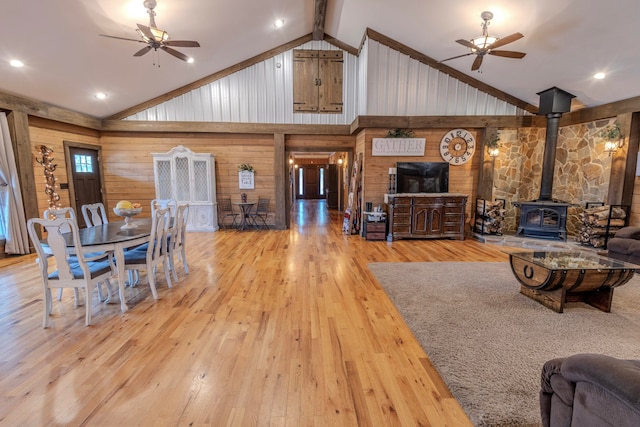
(426, 215)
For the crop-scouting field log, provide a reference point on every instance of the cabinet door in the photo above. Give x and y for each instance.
(201, 181)
(305, 81)
(330, 89)
(426, 220)
(183, 185)
(163, 179)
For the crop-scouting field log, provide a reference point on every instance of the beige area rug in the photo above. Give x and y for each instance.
(489, 342)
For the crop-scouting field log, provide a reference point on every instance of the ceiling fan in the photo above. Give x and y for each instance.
(486, 44)
(156, 38)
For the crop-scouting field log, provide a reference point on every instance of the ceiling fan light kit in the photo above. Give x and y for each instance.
(486, 44)
(156, 38)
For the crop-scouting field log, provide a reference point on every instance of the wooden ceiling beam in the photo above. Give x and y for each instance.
(319, 18)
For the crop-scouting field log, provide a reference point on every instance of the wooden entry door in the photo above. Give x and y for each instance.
(84, 177)
(311, 183)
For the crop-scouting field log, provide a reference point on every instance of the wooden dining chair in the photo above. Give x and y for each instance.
(177, 240)
(70, 271)
(225, 210)
(156, 252)
(70, 213)
(94, 214)
(172, 204)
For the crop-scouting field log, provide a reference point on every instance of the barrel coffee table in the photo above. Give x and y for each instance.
(555, 278)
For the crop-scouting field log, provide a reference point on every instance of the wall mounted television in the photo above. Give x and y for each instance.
(422, 177)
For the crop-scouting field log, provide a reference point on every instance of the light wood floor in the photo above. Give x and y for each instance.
(270, 328)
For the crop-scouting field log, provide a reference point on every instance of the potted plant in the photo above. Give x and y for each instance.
(400, 133)
(246, 167)
(612, 132)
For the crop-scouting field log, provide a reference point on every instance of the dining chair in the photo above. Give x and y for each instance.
(225, 210)
(69, 212)
(94, 214)
(177, 240)
(70, 271)
(172, 204)
(156, 252)
(261, 212)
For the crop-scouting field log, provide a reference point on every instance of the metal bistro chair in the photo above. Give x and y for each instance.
(262, 212)
(94, 214)
(225, 210)
(73, 271)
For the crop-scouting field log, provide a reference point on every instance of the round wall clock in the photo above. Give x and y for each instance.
(457, 146)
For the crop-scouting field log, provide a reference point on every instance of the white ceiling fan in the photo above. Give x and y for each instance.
(155, 38)
(486, 44)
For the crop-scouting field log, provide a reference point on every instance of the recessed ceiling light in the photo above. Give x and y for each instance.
(16, 63)
(599, 76)
(279, 23)
(101, 95)
(190, 60)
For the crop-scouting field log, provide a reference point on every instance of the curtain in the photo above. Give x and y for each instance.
(11, 207)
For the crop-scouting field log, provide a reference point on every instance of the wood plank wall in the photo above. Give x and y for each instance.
(462, 178)
(129, 164)
(54, 139)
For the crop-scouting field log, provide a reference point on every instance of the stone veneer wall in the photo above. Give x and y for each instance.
(582, 169)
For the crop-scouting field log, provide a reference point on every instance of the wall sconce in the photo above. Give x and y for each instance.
(295, 166)
(611, 146)
(290, 160)
(493, 152)
(340, 161)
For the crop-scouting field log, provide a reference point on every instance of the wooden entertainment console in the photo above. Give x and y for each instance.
(426, 215)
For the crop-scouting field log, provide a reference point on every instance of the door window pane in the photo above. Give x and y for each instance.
(83, 163)
(322, 181)
(300, 182)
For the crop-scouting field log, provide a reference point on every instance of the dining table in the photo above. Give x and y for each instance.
(112, 237)
(245, 213)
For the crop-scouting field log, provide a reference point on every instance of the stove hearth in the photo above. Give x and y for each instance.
(543, 219)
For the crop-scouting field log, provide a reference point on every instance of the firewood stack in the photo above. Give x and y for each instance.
(598, 222)
(490, 215)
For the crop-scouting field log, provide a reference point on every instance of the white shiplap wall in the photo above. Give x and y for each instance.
(381, 81)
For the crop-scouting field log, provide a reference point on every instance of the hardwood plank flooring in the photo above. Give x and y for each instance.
(270, 328)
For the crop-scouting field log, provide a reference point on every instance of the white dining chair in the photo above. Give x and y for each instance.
(70, 213)
(177, 240)
(172, 204)
(156, 252)
(94, 214)
(70, 271)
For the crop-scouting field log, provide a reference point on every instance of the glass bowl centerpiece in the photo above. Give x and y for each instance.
(127, 210)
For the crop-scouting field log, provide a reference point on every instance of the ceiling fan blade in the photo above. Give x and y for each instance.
(506, 40)
(142, 51)
(122, 38)
(466, 43)
(182, 43)
(146, 31)
(175, 53)
(455, 57)
(477, 63)
(507, 53)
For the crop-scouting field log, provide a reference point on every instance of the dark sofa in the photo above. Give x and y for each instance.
(625, 245)
(589, 390)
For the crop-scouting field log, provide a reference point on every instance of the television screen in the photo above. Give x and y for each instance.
(422, 177)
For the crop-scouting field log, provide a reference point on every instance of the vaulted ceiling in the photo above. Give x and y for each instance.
(67, 62)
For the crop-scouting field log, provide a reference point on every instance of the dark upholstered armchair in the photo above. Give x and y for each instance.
(588, 390)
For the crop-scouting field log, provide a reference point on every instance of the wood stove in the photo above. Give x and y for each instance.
(545, 217)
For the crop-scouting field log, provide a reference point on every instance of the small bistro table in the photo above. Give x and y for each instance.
(555, 277)
(245, 211)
